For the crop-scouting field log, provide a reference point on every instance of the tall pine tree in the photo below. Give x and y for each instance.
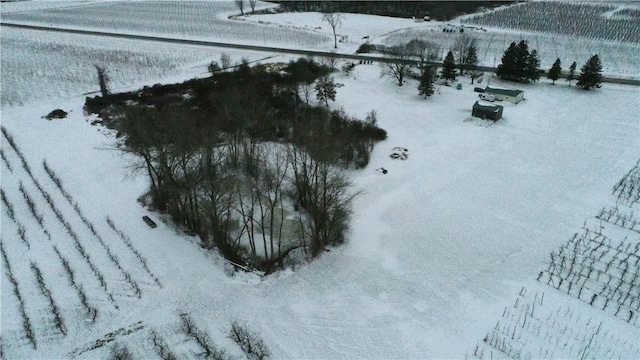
(533, 64)
(572, 71)
(555, 71)
(506, 70)
(522, 61)
(449, 68)
(591, 74)
(425, 88)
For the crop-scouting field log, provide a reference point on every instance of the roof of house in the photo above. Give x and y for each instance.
(487, 107)
(507, 92)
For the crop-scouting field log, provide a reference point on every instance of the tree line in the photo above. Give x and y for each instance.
(519, 64)
(437, 10)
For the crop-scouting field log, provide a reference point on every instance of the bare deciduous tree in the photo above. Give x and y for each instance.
(103, 80)
(252, 4)
(334, 20)
(399, 68)
(460, 49)
(225, 61)
(240, 5)
(330, 61)
(322, 192)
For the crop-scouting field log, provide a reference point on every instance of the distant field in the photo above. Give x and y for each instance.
(595, 20)
(37, 65)
(206, 20)
(618, 58)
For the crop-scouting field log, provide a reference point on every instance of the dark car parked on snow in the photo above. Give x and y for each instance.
(478, 89)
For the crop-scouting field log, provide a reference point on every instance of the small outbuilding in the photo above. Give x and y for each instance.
(510, 95)
(487, 111)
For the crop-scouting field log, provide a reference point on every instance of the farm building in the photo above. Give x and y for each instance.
(487, 111)
(514, 96)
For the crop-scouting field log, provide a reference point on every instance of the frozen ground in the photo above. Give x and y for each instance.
(440, 246)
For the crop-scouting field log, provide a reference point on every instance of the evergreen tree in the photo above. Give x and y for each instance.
(591, 74)
(555, 71)
(572, 71)
(471, 61)
(533, 64)
(522, 62)
(506, 70)
(449, 67)
(425, 88)
(518, 64)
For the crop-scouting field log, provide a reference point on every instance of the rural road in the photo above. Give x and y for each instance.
(271, 49)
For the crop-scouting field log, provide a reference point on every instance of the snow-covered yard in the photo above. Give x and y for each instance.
(445, 249)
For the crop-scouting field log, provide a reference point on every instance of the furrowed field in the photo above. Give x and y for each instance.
(613, 22)
(203, 20)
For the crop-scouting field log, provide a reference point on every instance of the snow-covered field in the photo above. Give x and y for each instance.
(446, 249)
(37, 66)
(202, 20)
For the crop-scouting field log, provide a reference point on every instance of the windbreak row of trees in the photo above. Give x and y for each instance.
(437, 10)
(244, 161)
(520, 65)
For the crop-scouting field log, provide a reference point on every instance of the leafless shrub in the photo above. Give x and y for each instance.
(22, 232)
(32, 206)
(127, 242)
(56, 180)
(10, 212)
(627, 189)
(6, 161)
(120, 352)
(187, 324)
(251, 343)
(91, 312)
(161, 347)
(15, 148)
(202, 338)
(26, 323)
(114, 259)
(225, 61)
(47, 293)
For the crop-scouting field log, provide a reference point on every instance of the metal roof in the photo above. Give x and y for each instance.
(487, 107)
(507, 92)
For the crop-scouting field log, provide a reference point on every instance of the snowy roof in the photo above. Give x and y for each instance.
(487, 106)
(502, 91)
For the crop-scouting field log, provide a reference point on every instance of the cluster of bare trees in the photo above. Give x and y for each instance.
(250, 167)
(462, 55)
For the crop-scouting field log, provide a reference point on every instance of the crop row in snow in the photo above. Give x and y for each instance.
(627, 190)
(598, 266)
(600, 271)
(26, 321)
(588, 20)
(60, 242)
(616, 216)
(537, 326)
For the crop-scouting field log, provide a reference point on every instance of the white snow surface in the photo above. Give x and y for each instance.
(438, 248)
